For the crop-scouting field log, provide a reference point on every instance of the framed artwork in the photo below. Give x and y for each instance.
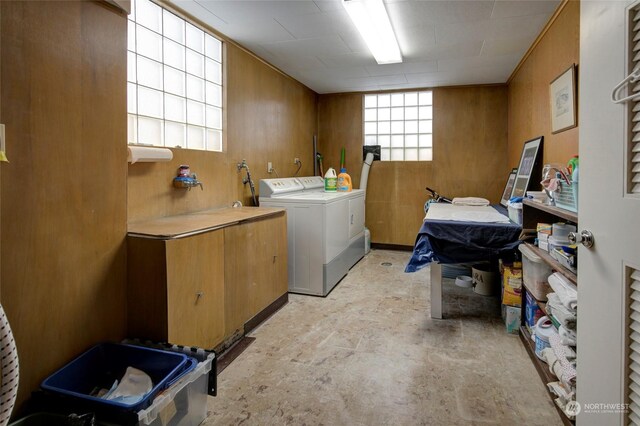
(508, 189)
(529, 166)
(562, 95)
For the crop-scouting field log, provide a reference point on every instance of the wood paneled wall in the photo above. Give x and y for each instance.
(269, 116)
(64, 192)
(529, 106)
(470, 141)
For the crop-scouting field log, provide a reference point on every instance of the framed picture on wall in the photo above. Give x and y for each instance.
(529, 166)
(508, 189)
(562, 95)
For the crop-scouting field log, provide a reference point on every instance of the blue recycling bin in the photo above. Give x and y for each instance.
(101, 365)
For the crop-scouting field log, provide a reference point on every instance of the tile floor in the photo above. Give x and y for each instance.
(369, 354)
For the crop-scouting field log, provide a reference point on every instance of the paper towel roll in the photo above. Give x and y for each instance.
(148, 154)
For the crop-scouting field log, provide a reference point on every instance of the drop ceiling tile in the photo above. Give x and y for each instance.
(268, 31)
(445, 51)
(336, 73)
(317, 24)
(354, 40)
(413, 40)
(199, 11)
(348, 59)
(522, 27)
(328, 5)
(298, 63)
(418, 13)
(403, 68)
(459, 77)
(507, 9)
(376, 81)
(508, 46)
(319, 46)
(456, 64)
(452, 33)
(237, 12)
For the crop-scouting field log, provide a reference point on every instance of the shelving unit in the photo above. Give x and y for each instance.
(534, 213)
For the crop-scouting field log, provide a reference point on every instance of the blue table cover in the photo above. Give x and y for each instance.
(448, 241)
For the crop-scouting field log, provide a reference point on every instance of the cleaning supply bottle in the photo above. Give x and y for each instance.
(344, 181)
(330, 180)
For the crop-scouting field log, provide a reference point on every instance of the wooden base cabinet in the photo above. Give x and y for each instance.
(201, 290)
(176, 289)
(255, 269)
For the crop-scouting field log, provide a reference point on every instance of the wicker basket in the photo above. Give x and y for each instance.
(566, 196)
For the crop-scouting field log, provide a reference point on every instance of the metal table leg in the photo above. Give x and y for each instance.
(436, 290)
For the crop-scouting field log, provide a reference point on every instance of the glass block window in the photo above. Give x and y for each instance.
(174, 81)
(401, 123)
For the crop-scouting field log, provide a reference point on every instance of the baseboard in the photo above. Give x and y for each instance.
(261, 316)
(398, 247)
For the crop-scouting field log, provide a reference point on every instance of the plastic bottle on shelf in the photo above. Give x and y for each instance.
(344, 181)
(330, 180)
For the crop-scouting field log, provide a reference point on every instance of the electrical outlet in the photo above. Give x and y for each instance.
(269, 167)
(296, 161)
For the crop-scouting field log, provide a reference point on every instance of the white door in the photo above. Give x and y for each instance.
(609, 208)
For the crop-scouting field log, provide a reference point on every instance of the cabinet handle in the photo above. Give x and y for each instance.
(274, 258)
(199, 295)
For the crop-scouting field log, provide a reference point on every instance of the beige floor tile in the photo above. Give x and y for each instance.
(369, 354)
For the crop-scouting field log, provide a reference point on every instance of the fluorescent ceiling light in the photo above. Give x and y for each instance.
(372, 21)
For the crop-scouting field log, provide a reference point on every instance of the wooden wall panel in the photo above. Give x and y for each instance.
(470, 140)
(64, 191)
(269, 116)
(529, 107)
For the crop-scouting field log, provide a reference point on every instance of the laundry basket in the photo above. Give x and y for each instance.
(566, 196)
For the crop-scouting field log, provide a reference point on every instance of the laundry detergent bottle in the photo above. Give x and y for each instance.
(344, 181)
(330, 180)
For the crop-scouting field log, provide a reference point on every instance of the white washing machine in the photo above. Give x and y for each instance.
(325, 231)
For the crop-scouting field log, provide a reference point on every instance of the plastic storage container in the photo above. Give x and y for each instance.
(566, 197)
(556, 242)
(535, 273)
(184, 403)
(101, 365)
(46, 419)
(515, 212)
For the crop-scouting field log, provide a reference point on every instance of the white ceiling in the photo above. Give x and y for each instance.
(443, 43)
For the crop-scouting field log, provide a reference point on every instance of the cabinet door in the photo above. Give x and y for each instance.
(356, 216)
(255, 268)
(271, 278)
(195, 287)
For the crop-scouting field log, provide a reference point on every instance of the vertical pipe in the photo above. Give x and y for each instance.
(315, 155)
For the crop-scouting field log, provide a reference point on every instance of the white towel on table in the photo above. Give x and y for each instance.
(470, 201)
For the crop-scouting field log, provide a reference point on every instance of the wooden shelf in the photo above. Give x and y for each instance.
(543, 371)
(555, 265)
(556, 211)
